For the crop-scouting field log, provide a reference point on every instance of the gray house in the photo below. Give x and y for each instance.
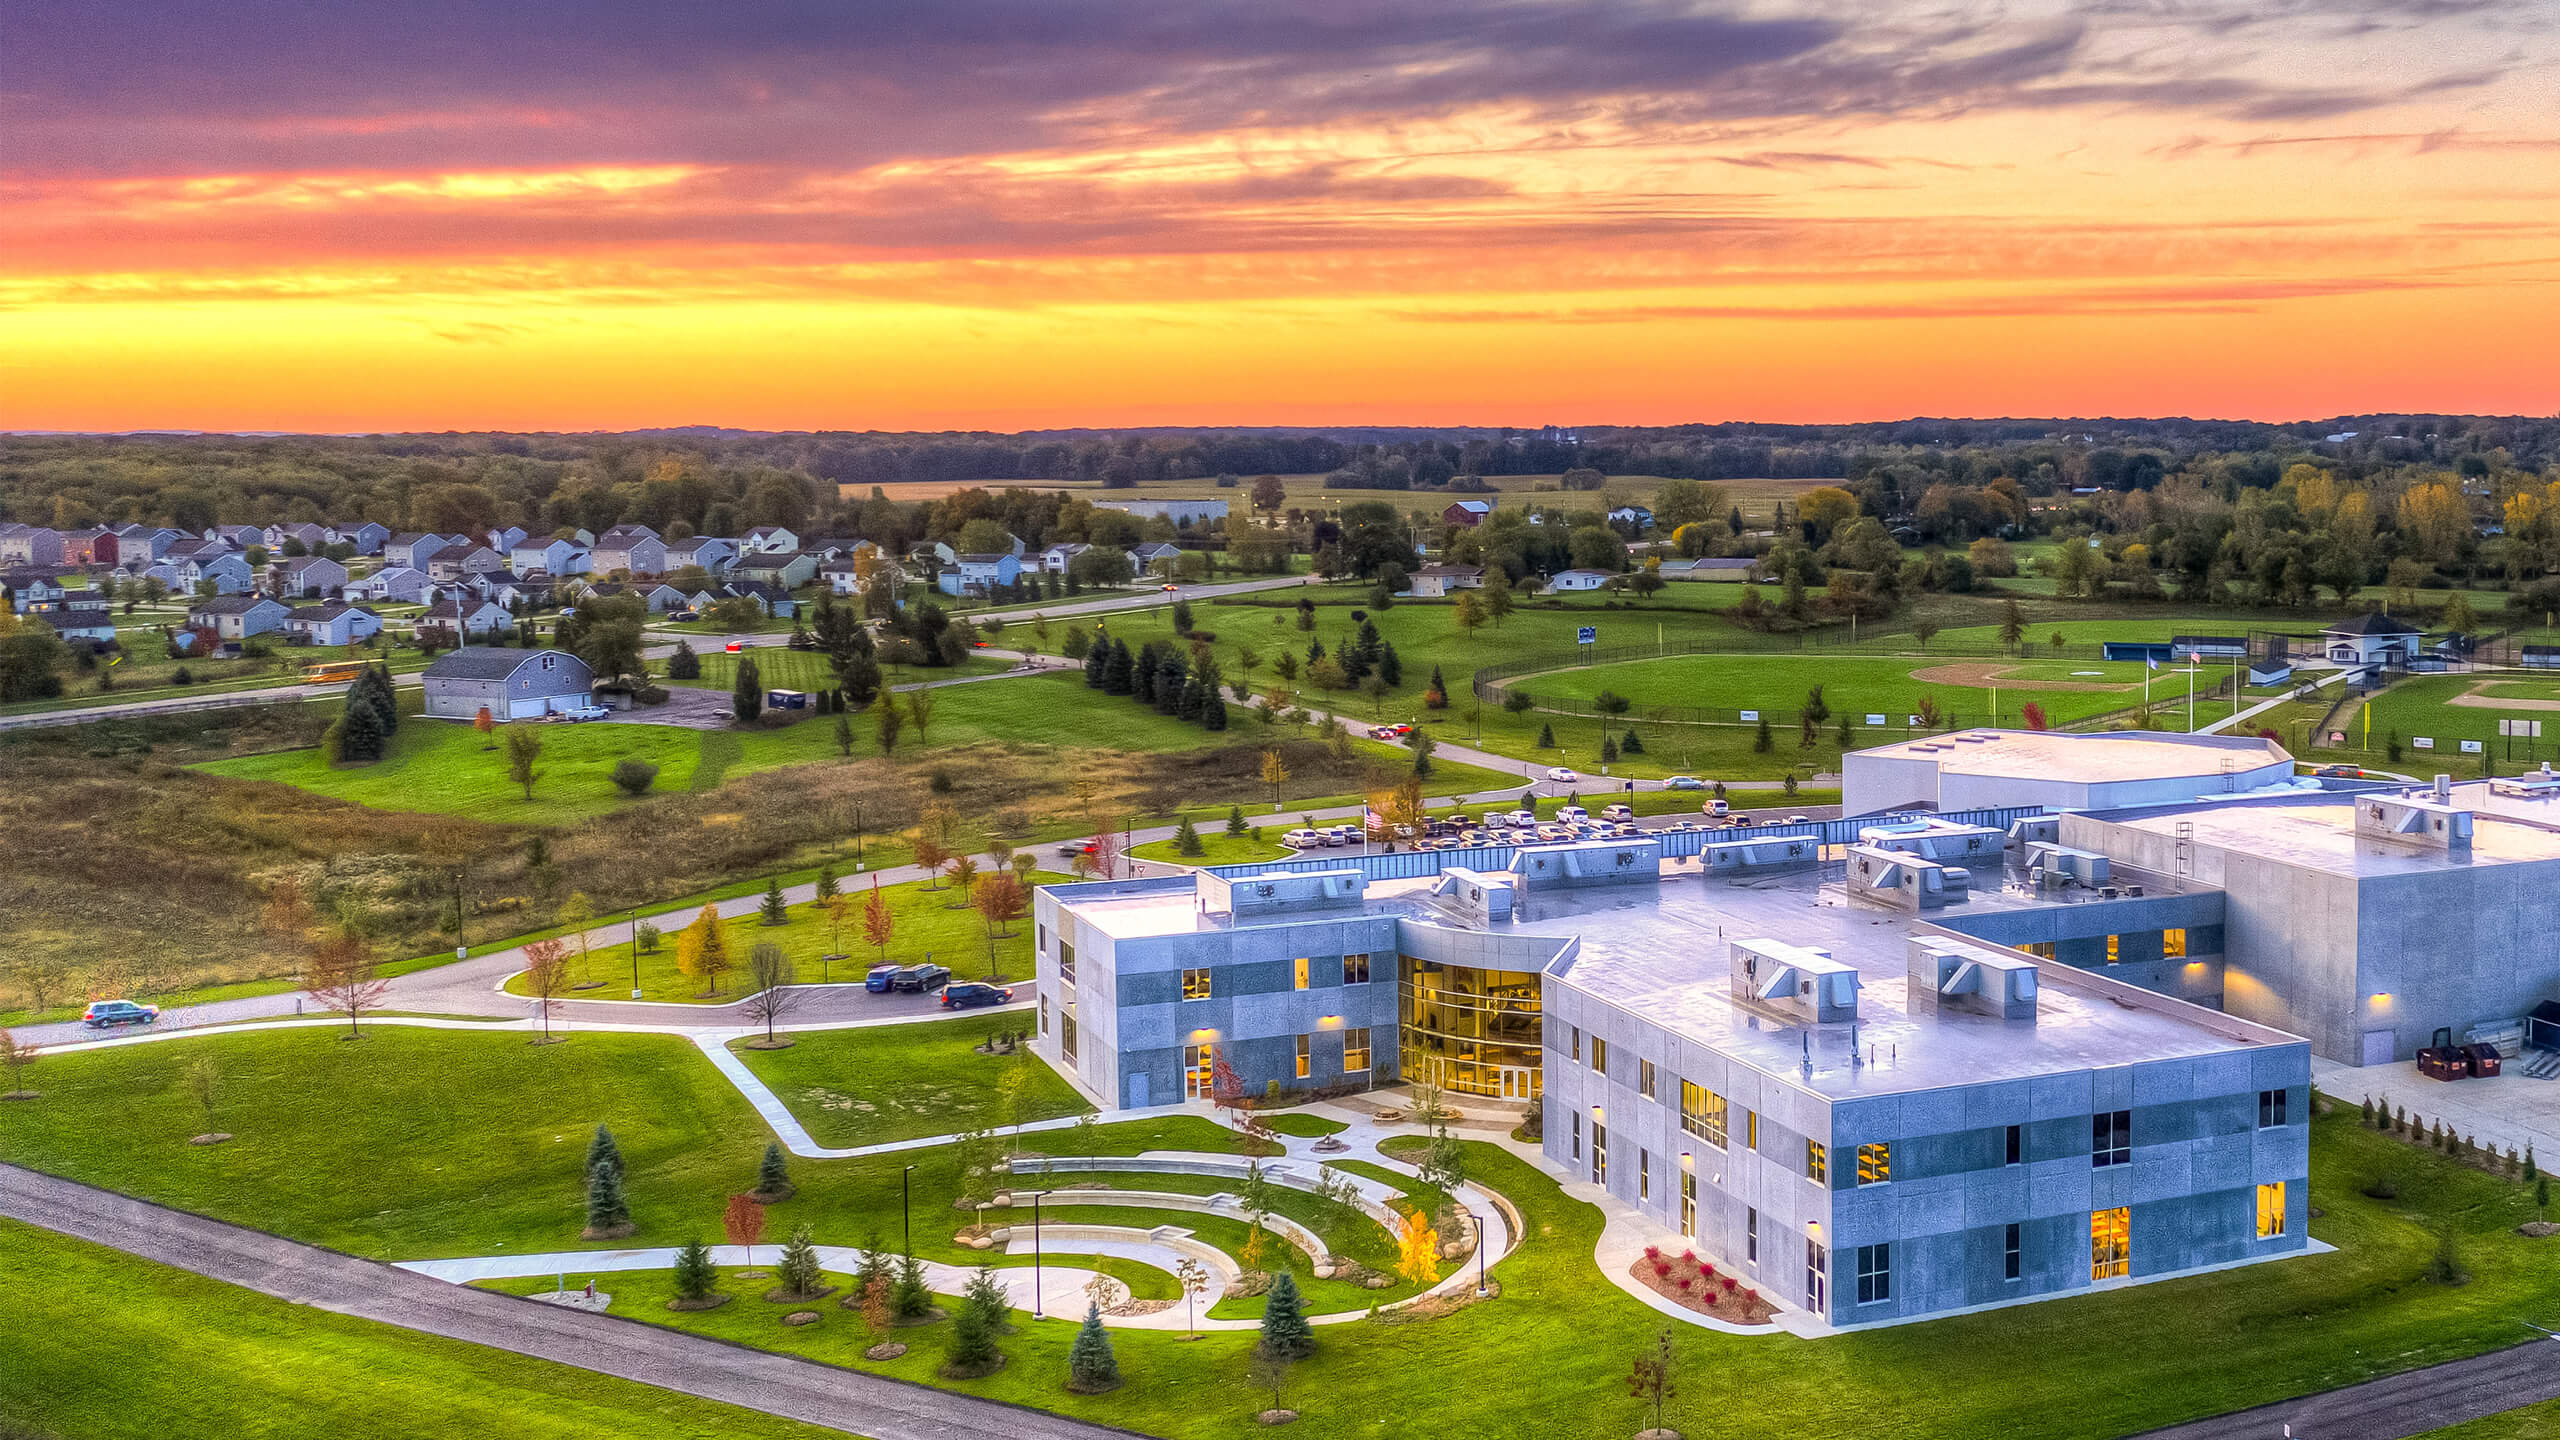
(237, 617)
(307, 575)
(509, 684)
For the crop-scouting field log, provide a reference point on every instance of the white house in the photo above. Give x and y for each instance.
(306, 575)
(237, 617)
(456, 562)
(302, 532)
(30, 545)
(789, 569)
(468, 618)
(397, 583)
(1434, 581)
(31, 590)
(228, 572)
(1570, 580)
(2370, 640)
(713, 554)
(769, 540)
(630, 549)
(1057, 558)
(333, 623)
(1632, 517)
(504, 538)
(973, 574)
(1144, 555)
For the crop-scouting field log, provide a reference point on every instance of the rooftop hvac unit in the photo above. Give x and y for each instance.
(1796, 981)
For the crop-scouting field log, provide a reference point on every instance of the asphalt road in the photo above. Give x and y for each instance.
(2396, 1406)
(844, 1400)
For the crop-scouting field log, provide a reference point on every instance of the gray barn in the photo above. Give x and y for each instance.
(510, 684)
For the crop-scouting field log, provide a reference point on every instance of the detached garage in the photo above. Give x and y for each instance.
(510, 684)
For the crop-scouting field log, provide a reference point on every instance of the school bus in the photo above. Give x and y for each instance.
(332, 672)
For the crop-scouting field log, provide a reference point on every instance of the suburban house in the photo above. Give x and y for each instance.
(30, 545)
(1632, 518)
(769, 540)
(302, 532)
(367, 537)
(1057, 558)
(976, 574)
(31, 590)
(238, 537)
(509, 684)
(844, 576)
(788, 569)
(1569, 580)
(1434, 581)
(392, 582)
(226, 570)
(932, 555)
(629, 549)
(466, 618)
(711, 553)
(505, 587)
(552, 557)
(773, 600)
(306, 575)
(139, 546)
(658, 597)
(456, 562)
(2370, 640)
(93, 546)
(1182, 513)
(1470, 513)
(1144, 555)
(237, 617)
(1734, 568)
(334, 623)
(504, 538)
(413, 549)
(90, 625)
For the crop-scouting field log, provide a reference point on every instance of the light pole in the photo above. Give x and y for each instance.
(635, 952)
(906, 1212)
(1036, 1197)
(857, 837)
(1480, 1286)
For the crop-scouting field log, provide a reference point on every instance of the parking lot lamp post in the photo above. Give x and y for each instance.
(906, 1211)
(1036, 1197)
(857, 837)
(1480, 1287)
(635, 952)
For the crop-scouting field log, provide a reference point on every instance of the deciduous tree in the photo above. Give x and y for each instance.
(772, 974)
(18, 1056)
(879, 923)
(702, 950)
(743, 1222)
(339, 974)
(546, 979)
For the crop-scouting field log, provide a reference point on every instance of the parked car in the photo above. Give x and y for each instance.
(1627, 828)
(588, 712)
(1798, 820)
(1715, 807)
(1571, 814)
(878, 981)
(1684, 782)
(1618, 812)
(2339, 772)
(1302, 839)
(1523, 817)
(736, 646)
(1561, 775)
(916, 979)
(103, 1013)
(681, 615)
(962, 997)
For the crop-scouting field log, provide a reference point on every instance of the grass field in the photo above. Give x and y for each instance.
(936, 923)
(440, 1143)
(2422, 708)
(1859, 688)
(1755, 496)
(107, 1346)
(1217, 848)
(898, 1082)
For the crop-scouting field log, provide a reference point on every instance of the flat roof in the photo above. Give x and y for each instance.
(2318, 832)
(2094, 757)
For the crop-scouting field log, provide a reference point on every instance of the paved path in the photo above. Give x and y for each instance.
(2396, 1406)
(844, 1400)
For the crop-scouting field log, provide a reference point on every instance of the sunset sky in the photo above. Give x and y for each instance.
(927, 214)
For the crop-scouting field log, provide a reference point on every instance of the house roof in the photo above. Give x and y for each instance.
(1582, 574)
(757, 588)
(327, 611)
(2373, 624)
(486, 662)
(984, 558)
(230, 605)
(1479, 507)
(1446, 570)
(85, 618)
(300, 563)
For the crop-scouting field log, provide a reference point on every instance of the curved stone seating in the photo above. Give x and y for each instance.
(1278, 1172)
(1225, 1206)
(1172, 1238)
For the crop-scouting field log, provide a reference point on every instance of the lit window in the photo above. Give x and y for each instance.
(2173, 944)
(1875, 1273)
(1644, 1078)
(1355, 1049)
(1298, 974)
(1195, 984)
(2110, 1243)
(1599, 1055)
(2013, 1252)
(2111, 949)
(1702, 1113)
(2111, 1138)
(1355, 969)
(2042, 949)
(1689, 1204)
(2271, 1210)
(1875, 1163)
(1644, 1174)
(1751, 1129)
(1817, 1278)
(1199, 1068)
(1306, 1056)
(2272, 1107)
(1817, 1161)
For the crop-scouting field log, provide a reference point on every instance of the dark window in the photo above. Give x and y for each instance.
(1751, 1236)
(2111, 1138)
(2017, 1145)
(1875, 1273)
(2011, 1255)
(2271, 1108)
(1355, 969)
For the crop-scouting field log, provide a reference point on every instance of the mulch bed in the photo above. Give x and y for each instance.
(1693, 1284)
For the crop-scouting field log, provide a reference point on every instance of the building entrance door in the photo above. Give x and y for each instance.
(2377, 1048)
(1515, 1084)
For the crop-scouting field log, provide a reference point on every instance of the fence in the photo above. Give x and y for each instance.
(1417, 864)
(153, 708)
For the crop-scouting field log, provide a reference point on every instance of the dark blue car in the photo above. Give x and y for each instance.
(963, 996)
(877, 982)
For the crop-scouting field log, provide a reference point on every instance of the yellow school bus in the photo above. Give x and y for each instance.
(332, 672)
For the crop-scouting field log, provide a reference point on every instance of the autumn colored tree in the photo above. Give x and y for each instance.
(1000, 901)
(546, 978)
(964, 874)
(339, 974)
(484, 722)
(1417, 1249)
(524, 746)
(702, 949)
(2032, 716)
(930, 857)
(17, 1055)
(879, 925)
(744, 1223)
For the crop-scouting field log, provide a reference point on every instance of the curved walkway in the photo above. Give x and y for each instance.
(776, 1384)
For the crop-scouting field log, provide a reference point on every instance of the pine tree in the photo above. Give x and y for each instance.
(2368, 1112)
(773, 1177)
(694, 1273)
(909, 1297)
(1192, 701)
(1186, 840)
(975, 1328)
(1172, 674)
(746, 697)
(1546, 737)
(2529, 1171)
(608, 1213)
(1143, 673)
(359, 734)
(1117, 677)
(1091, 1367)
(985, 1296)
(1213, 713)
(1097, 659)
(1285, 1331)
(773, 911)
(799, 1268)
(1608, 751)
(1631, 744)
(1235, 821)
(1390, 669)
(684, 664)
(1762, 739)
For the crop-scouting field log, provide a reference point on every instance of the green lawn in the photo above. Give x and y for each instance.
(898, 1082)
(2420, 706)
(933, 923)
(1857, 687)
(438, 1143)
(2532, 1422)
(1219, 848)
(108, 1346)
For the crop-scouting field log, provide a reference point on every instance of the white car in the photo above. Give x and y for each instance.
(1302, 839)
(590, 712)
(1522, 818)
(1562, 775)
(1618, 812)
(1571, 815)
